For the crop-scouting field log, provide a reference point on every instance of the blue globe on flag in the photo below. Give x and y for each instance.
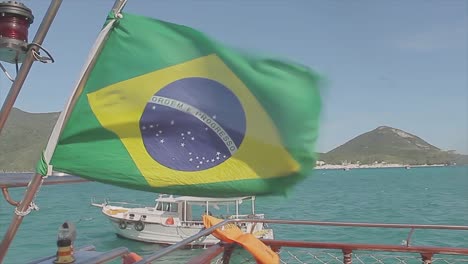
(193, 124)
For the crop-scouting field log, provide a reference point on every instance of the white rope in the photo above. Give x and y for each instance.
(32, 205)
(25, 213)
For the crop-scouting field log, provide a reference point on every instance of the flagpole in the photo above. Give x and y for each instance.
(37, 179)
(27, 63)
(83, 78)
(6, 109)
(118, 6)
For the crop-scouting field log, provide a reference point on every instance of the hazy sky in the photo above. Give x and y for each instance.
(396, 63)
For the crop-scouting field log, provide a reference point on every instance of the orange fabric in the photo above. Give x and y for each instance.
(232, 234)
(131, 258)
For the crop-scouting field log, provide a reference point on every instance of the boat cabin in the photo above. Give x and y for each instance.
(188, 208)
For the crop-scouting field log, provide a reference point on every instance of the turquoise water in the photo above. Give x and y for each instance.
(436, 195)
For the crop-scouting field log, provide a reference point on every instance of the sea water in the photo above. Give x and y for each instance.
(427, 195)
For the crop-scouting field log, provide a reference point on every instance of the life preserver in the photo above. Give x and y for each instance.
(170, 220)
(122, 224)
(139, 226)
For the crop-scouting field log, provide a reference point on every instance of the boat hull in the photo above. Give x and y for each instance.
(160, 234)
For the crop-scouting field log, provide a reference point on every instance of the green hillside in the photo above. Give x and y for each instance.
(390, 145)
(23, 138)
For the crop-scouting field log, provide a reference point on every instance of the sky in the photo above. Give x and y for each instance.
(397, 63)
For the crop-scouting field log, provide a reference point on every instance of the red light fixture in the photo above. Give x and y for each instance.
(15, 19)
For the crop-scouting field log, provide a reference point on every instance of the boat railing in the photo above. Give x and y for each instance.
(197, 223)
(200, 222)
(242, 216)
(328, 252)
(118, 204)
(249, 216)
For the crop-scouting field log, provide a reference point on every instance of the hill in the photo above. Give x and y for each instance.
(23, 139)
(390, 145)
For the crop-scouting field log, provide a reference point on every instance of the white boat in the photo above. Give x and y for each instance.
(173, 219)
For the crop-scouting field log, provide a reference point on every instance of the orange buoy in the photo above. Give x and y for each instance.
(170, 220)
(131, 258)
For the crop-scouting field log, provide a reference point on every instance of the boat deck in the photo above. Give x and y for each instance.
(88, 255)
(300, 251)
(331, 252)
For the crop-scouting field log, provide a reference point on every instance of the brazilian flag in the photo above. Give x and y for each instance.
(164, 108)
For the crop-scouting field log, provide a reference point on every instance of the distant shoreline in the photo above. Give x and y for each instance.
(1, 171)
(328, 167)
(372, 166)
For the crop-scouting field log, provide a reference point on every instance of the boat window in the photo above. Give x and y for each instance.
(168, 207)
(174, 207)
(159, 206)
(162, 206)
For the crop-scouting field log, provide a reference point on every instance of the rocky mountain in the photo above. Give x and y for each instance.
(391, 145)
